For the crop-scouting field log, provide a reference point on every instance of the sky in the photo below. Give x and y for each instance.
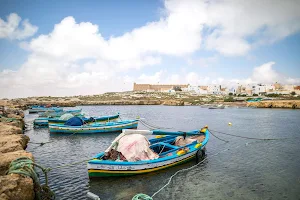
(64, 48)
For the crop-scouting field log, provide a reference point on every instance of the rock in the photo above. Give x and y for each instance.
(276, 104)
(9, 129)
(9, 143)
(187, 104)
(16, 187)
(7, 158)
(173, 103)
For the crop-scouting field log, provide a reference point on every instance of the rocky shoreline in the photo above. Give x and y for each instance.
(156, 98)
(12, 145)
(291, 104)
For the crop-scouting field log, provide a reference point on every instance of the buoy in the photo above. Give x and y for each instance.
(198, 145)
(229, 124)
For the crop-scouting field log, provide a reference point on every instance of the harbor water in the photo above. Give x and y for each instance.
(238, 169)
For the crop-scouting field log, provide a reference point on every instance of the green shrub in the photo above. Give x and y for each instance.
(229, 99)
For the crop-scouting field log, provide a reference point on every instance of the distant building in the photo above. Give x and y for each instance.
(214, 89)
(196, 89)
(156, 88)
(259, 89)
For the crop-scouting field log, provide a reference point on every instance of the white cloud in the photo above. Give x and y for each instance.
(151, 79)
(11, 29)
(233, 22)
(74, 57)
(262, 74)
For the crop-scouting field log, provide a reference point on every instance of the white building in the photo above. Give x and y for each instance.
(258, 89)
(214, 89)
(195, 90)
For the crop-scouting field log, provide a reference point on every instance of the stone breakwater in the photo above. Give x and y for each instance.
(293, 104)
(12, 145)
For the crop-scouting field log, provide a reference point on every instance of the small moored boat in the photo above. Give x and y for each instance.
(220, 106)
(86, 120)
(107, 127)
(37, 109)
(127, 156)
(59, 113)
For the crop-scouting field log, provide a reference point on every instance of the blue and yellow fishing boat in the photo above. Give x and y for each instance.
(169, 153)
(106, 127)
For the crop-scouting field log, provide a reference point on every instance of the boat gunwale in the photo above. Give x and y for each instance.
(88, 126)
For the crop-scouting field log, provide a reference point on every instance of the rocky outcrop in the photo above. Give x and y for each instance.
(12, 145)
(293, 104)
(173, 103)
(16, 187)
(7, 128)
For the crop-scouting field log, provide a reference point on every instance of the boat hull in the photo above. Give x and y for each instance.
(60, 113)
(86, 129)
(37, 109)
(107, 173)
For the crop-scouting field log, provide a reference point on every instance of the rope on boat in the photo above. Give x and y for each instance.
(25, 166)
(218, 137)
(152, 127)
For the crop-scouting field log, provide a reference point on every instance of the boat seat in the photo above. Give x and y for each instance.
(168, 147)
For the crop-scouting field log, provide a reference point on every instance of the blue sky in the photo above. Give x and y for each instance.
(91, 47)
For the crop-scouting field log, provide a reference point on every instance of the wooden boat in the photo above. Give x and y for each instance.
(169, 154)
(107, 127)
(59, 113)
(37, 109)
(86, 120)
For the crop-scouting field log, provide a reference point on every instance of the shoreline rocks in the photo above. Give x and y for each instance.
(12, 145)
(291, 104)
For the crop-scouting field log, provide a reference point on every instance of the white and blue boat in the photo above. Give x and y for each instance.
(106, 127)
(58, 113)
(37, 109)
(169, 153)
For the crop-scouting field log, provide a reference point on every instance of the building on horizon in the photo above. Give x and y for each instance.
(157, 87)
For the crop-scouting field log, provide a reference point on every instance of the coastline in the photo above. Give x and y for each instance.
(290, 104)
(13, 143)
(157, 98)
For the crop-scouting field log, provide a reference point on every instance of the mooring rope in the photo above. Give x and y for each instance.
(186, 169)
(245, 137)
(24, 166)
(218, 137)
